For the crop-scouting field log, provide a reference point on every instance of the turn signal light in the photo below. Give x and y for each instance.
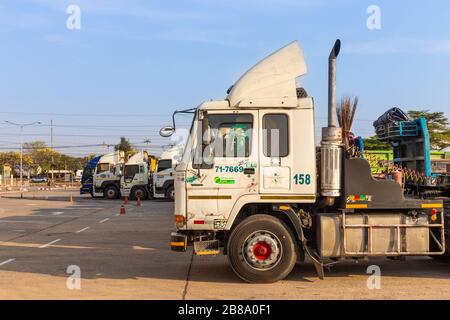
(179, 218)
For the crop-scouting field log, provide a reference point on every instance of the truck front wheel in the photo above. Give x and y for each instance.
(111, 192)
(138, 192)
(170, 193)
(261, 249)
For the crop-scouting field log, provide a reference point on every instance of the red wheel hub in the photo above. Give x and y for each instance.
(262, 250)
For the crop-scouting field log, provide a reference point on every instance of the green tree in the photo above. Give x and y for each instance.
(33, 146)
(438, 127)
(373, 143)
(124, 145)
(12, 158)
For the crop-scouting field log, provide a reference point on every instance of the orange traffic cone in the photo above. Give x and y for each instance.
(138, 203)
(125, 200)
(122, 209)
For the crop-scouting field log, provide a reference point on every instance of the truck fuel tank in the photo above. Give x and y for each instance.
(381, 238)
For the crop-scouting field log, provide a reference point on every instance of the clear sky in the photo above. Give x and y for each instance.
(143, 59)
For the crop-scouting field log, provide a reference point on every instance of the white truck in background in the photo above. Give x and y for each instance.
(136, 179)
(163, 186)
(106, 178)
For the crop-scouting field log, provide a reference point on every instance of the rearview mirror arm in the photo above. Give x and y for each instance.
(190, 110)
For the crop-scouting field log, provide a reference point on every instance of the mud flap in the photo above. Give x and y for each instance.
(295, 219)
(318, 265)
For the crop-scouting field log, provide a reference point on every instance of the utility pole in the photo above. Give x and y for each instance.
(51, 146)
(21, 126)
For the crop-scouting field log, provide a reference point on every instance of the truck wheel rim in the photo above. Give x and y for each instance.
(111, 193)
(262, 250)
(139, 194)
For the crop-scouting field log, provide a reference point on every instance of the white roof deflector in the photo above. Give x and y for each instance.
(271, 82)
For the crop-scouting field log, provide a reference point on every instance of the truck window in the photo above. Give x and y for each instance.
(87, 173)
(130, 171)
(164, 164)
(103, 167)
(231, 134)
(275, 135)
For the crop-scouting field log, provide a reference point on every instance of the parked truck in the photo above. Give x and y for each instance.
(106, 178)
(253, 183)
(87, 178)
(163, 177)
(421, 171)
(137, 177)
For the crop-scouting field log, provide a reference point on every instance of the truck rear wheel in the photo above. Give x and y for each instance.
(111, 192)
(261, 249)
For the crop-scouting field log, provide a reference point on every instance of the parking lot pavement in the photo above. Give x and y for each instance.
(46, 238)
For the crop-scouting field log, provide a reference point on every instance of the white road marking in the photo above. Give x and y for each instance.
(84, 208)
(84, 229)
(117, 214)
(7, 261)
(104, 220)
(16, 221)
(50, 243)
(57, 213)
(37, 221)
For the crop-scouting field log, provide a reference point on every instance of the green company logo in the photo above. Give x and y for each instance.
(224, 180)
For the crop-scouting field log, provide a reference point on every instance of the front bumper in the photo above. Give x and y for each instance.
(178, 242)
(86, 189)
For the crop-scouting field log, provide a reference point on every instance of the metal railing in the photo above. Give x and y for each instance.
(397, 130)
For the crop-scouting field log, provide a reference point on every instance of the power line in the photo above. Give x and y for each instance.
(88, 114)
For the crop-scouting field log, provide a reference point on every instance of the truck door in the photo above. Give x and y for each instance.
(231, 169)
(287, 153)
(236, 169)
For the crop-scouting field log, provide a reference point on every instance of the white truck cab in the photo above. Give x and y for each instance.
(163, 178)
(135, 181)
(106, 178)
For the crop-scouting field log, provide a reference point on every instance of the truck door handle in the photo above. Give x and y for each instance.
(249, 170)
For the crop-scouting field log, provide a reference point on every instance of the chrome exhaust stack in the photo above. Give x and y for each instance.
(331, 144)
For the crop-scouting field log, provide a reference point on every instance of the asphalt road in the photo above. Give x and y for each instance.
(46, 240)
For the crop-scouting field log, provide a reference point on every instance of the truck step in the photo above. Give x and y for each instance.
(208, 247)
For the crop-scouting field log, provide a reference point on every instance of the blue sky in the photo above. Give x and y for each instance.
(145, 59)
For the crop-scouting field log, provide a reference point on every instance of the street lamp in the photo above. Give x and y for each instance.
(22, 125)
(147, 141)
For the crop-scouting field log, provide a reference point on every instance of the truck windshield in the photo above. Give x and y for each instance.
(164, 164)
(87, 173)
(103, 167)
(130, 171)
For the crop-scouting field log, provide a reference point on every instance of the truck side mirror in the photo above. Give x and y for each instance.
(166, 131)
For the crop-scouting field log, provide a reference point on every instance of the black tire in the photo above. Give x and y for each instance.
(170, 193)
(111, 192)
(138, 192)
(253, 229)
